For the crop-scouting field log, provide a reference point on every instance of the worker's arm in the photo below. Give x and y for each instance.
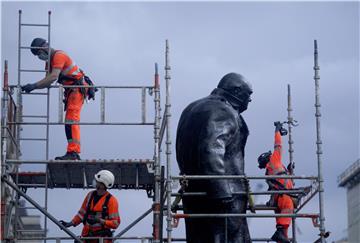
(276, 156)
(43, 83)
(114, 218)
(78, 218)
(215, 136)
(49, 79)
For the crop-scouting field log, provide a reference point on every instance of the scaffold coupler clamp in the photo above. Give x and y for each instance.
(315, 221)
(322, 235)
(183, 184)
(175, 221)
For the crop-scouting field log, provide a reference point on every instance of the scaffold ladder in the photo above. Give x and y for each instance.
(21, 116)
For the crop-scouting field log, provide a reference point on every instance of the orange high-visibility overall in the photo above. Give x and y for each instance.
(112, 220)
(275, 167)
(73, 98)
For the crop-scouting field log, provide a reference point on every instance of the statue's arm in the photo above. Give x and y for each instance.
(216, 135)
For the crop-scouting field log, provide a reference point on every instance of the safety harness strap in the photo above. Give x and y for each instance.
(88, 207)
(105, 211)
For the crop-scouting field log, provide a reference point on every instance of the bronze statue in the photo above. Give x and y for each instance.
(211, 138)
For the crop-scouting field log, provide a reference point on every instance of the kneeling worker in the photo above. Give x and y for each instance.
(284, 202)
(99, 212)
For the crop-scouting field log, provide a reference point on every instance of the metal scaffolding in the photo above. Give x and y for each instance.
(145, 174)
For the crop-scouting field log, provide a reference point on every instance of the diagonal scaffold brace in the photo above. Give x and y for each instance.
(5, 179)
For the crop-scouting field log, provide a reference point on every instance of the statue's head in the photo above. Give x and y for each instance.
(237, 90)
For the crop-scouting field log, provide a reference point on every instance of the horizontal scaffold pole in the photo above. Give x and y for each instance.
(35, 204)
(85, 123)
(201, 177)
(95, 86)
(242, 193)
(91, 162)
(237, 215)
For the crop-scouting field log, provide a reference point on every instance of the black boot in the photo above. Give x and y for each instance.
(69, 156)
(280, 236)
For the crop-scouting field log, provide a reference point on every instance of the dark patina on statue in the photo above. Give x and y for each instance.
(211, 138)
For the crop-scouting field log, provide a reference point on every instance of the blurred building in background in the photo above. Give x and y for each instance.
(350, 179)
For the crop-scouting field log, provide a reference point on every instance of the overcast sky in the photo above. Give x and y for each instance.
(270, 43)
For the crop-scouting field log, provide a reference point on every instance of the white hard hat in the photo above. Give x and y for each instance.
(106, 177)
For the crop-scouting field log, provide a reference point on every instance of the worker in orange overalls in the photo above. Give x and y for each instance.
(284, 203)
(99, 211)
(66, 72)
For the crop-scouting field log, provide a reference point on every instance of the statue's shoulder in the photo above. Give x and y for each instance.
(209, 108)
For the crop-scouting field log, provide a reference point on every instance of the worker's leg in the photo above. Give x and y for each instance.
(74, 104)
(286, 206)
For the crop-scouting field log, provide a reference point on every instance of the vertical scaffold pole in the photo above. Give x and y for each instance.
(290, 123)
(18, 119)
(4, 112)
(157, 197)
(61, 105)
(102, 105)
(19, 95)
(47, 126)
(319, 142)
(168, 142)
(291, 149)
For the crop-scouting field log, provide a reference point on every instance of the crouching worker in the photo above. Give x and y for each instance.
(99, 212)
(284, 202)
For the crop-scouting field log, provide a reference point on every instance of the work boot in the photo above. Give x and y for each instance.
(69, 156)
(280, 235)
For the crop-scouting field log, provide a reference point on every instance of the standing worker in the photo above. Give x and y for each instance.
(66, 72)
(99, 212)
(284, 202)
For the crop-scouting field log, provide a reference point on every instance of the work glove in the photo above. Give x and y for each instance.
(290, 167)
(278, 126)
(28, 87)
(66, 224)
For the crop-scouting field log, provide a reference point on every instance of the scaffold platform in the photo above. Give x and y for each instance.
(131, 174)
